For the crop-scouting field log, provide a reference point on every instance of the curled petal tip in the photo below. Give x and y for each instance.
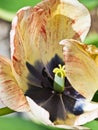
(63, 42)
(66, 45)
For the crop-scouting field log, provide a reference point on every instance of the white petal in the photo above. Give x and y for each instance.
(86, 117)
(37, 113)
(90, 106)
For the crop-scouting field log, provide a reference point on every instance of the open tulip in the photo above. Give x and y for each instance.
(52, 87)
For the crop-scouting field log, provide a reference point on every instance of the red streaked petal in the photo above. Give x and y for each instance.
(81, 69)
(11, 94)
(36, 31)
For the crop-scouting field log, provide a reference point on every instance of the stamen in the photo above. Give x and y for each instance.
(59, 79)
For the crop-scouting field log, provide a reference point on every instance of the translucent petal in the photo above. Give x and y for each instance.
(81, 69)
(11, 94)
(36, 31)
(13, 97)
(59, 24)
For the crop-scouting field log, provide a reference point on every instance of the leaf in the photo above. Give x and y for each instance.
(9, 123)
(8, 8)
(5, 111)
(92, 125)
(92, 38)
(95, 98)
(90, 4)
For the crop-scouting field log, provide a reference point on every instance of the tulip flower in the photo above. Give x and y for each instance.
(52, 86)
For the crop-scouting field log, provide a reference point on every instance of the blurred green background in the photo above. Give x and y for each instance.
(8, 9)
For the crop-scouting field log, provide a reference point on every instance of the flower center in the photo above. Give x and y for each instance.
(59, 79)
(51, 90)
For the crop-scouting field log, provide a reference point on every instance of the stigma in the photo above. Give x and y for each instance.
(59, 78)
(60, 71)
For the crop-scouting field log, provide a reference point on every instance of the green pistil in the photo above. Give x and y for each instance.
(59, 79)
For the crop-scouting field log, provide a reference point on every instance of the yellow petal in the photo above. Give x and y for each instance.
(36, 31)
(61, 24)
(10, 94)
(81, 69)
(93, 52)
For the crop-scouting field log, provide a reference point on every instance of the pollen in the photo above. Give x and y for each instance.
(60, 71)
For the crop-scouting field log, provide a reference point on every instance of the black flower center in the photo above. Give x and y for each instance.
(43, 88)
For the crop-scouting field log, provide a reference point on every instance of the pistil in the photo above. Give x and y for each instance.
(59, 79)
